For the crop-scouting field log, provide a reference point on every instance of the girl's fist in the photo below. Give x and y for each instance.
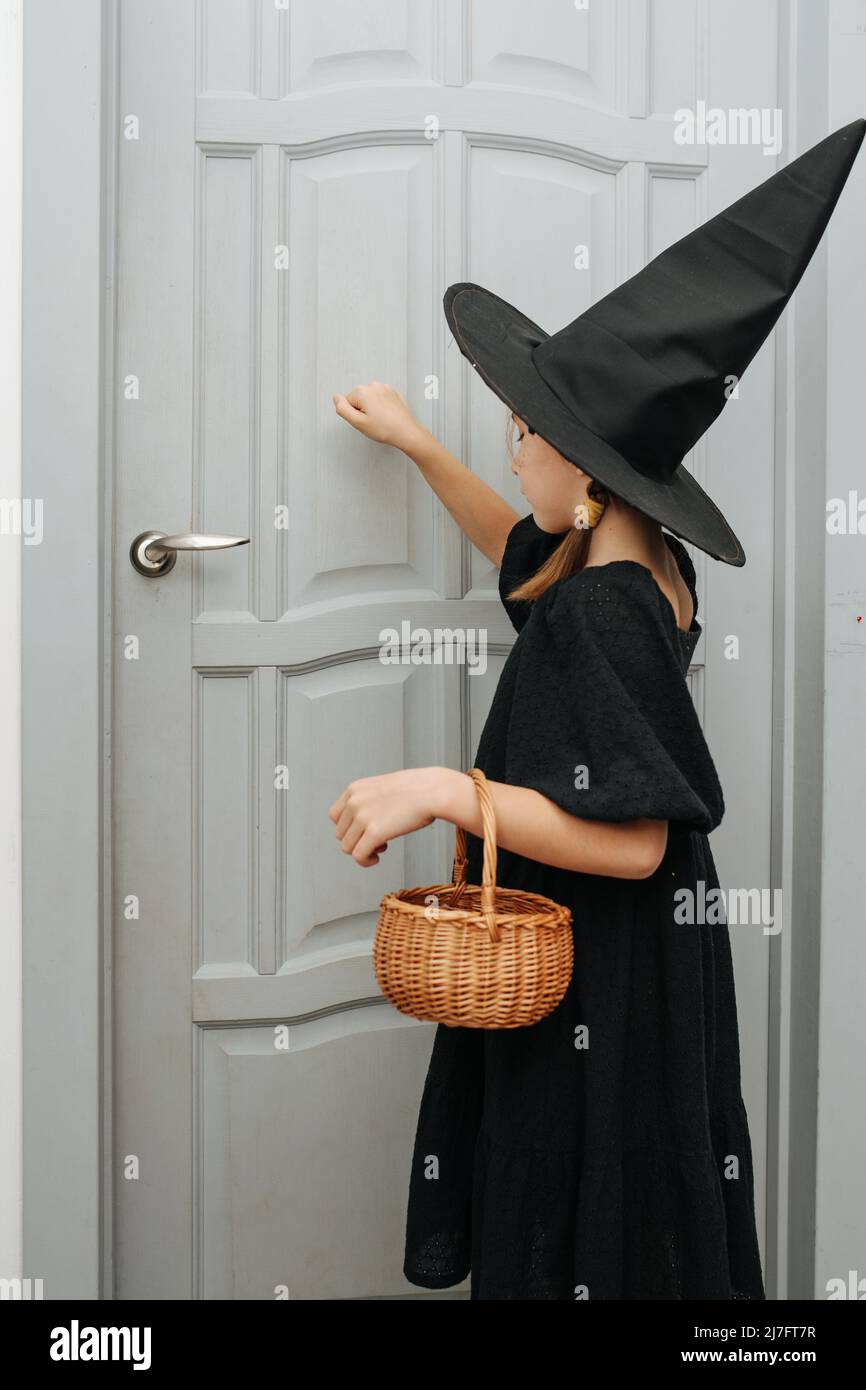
(379, 411)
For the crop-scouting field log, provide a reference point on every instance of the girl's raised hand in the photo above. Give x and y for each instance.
(380, 412)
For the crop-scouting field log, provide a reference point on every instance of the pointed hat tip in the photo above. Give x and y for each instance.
(857, 127)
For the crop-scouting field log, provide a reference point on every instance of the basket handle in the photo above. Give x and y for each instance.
(488, 872)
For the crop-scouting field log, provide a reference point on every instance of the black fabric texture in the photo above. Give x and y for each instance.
(603, 1153)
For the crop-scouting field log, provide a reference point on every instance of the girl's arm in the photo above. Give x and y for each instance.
(528, 823)
(484, 516)
(381, 413)
(373, 810)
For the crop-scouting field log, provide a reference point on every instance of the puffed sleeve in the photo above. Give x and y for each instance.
(526, 550)
(602, 720)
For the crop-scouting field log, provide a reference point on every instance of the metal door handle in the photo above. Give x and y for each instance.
(154, 553)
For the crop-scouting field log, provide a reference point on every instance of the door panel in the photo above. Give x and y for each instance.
(298, 185)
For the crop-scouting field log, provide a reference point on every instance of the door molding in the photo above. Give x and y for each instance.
(70, 122)
(798, 698)
(11, 550)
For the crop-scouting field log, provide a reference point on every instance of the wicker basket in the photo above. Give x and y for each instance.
(473, 957)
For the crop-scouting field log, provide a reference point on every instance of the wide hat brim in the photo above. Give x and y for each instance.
(499, 340)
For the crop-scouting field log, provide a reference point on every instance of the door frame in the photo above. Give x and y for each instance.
(71, 65)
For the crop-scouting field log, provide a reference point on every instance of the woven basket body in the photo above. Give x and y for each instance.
(473, 957)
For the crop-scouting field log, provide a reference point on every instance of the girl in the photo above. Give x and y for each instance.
(604, 1152)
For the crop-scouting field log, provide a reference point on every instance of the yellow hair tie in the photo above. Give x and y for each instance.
(592, 510)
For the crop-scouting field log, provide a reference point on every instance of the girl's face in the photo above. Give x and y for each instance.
(552, 485)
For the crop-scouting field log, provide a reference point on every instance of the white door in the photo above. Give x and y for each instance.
(298, 184)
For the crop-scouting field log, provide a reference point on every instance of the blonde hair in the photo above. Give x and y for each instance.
(573, 550)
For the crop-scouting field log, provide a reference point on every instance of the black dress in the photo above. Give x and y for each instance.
(603, 1153)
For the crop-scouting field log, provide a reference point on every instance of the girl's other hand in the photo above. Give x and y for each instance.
(379, 411)
(374, 810)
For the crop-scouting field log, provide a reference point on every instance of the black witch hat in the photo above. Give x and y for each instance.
(629, 387)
